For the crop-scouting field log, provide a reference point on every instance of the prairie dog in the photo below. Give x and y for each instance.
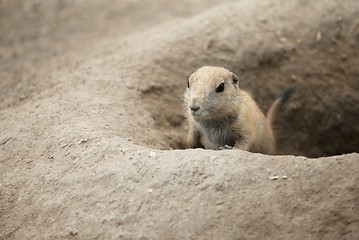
(221, 115)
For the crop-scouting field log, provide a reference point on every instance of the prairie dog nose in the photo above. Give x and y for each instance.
(194, 108)
(194, 104)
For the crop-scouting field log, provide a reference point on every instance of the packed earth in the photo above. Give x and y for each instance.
(92, 126)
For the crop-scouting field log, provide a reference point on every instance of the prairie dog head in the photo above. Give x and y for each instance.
(212, 94)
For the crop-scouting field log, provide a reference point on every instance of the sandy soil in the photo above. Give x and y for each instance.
(92, 127)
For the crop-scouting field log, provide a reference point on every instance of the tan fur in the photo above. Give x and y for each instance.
(227, 118)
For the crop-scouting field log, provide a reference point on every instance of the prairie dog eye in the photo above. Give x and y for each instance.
(220, 87)
(188, 83)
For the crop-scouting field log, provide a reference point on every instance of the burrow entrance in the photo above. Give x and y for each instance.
(321, 118)
(312, 133)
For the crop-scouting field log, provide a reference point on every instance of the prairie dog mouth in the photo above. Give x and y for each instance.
(199, 114)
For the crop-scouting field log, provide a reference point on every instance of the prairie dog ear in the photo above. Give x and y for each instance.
(235, 79)
(192, 77)
(189, 79)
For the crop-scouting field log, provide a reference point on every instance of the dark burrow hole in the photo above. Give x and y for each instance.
(312, 123)
(320, 119)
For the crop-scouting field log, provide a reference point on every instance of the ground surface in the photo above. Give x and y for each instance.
(91, 106)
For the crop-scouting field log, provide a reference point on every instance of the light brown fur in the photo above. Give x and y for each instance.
(225, 118)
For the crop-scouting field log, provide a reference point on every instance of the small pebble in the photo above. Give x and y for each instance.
(273, 178)
(319, 36)
(283, 39)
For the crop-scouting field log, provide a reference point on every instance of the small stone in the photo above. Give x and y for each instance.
(273, 177)
(319, 36)
(283, 39)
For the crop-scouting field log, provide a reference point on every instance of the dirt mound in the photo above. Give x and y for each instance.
(87, 133)
(276, 51)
